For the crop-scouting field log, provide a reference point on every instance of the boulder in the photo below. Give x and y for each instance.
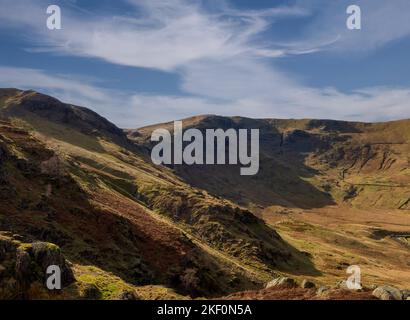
(306, 284)
(47, 254)
(23, 266)
(283, 282)
(387, 293)
(322, 290)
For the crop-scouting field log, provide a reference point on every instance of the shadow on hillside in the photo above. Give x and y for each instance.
(94, 235)
(300, 264)
(290, 259)
(282, 179)
(89, 236)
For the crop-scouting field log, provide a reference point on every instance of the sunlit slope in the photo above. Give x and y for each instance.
(73, 178)
(309, 163)
(112, 208)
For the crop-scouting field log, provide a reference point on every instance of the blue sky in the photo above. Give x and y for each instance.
(139, 62)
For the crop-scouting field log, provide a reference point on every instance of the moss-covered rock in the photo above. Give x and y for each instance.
(23, 266)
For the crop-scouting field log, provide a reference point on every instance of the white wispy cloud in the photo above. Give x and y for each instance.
(382, 23)
(224, 67)
(161, 35)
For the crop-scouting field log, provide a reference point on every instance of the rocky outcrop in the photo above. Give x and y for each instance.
(24, 266)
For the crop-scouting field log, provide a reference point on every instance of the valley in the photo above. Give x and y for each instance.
(328, 194)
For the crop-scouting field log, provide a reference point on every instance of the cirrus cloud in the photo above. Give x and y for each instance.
(224, 66)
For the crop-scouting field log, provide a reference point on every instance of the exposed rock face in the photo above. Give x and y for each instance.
(388, 293)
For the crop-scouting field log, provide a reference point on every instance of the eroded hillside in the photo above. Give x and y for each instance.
(72, 178)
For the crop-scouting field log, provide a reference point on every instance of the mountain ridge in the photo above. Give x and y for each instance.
(221, 233)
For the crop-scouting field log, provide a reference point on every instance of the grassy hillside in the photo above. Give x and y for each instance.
(72, 178)
(97, 195)
(309, 163)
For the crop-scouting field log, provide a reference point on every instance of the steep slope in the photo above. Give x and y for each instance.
(336, 190)
(70, 177)
(76, 180)
(309, 163)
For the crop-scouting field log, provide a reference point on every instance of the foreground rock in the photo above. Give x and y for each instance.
(23, 267)
(388, 293)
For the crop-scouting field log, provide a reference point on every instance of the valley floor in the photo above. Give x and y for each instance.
(337, 237)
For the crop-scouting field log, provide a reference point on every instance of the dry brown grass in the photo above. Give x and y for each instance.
(337, 237)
